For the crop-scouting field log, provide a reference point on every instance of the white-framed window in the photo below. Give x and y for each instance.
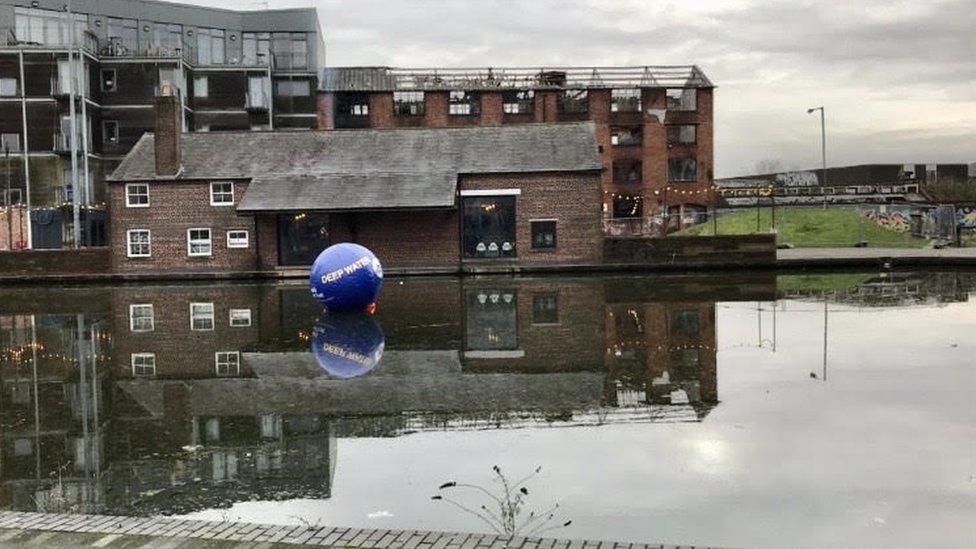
(143, 364)
(201, 317)
(137, 195)
(199, 243)
(201, 87)
(141, 317)
(228, 363)
(240, 318)
(408, 103)
(463, 103)
(138, 243)
(237, 239)
(222, 193)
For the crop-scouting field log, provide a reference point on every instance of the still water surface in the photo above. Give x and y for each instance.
(746, 411)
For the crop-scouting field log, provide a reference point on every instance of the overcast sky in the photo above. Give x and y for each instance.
(897, 77)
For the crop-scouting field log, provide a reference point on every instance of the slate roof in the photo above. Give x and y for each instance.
(368, 169)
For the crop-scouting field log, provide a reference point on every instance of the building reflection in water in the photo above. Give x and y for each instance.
(170, 399)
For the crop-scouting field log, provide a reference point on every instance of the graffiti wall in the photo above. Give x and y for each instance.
(937, 222)
(966, 217)
(897, 221)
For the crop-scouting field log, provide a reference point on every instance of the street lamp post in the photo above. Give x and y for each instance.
(7, 201)
(823, 149)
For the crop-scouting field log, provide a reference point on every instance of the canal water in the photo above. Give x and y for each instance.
(733, 410)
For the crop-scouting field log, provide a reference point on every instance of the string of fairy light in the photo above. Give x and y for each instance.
(16, 353)
(53, 207)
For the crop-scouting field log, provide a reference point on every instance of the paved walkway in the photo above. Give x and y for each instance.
(18, 529)
(829, 257)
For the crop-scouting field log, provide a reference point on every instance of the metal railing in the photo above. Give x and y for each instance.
(394, 78)
(839, 225)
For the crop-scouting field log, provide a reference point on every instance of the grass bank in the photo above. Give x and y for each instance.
(808, 228)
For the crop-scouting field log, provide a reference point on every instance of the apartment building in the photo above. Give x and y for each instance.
(95, 72)
(653, 124)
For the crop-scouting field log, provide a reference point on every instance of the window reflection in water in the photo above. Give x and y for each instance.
(491, 319)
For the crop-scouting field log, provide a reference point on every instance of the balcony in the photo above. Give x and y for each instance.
(115, 49)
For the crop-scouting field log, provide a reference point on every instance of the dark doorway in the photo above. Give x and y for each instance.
(302, 237)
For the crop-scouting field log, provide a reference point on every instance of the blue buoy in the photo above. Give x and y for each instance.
(347, 345)
(346, 277)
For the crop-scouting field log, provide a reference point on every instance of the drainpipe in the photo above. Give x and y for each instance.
(76, 209)
(84, 137)
(26, 149)
(10, 210)
(270, 99)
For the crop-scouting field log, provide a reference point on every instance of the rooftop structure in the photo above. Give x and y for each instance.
(341, 79)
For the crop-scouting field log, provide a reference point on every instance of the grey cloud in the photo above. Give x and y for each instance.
(903, 54)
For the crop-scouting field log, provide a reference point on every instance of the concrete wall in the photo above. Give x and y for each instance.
(727, 251)
(55, 262)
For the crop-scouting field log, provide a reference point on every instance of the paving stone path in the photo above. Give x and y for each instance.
(21, 529)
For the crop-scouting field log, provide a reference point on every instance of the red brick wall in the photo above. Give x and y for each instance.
(426, 238)
(654, 152)
(435, 109)
(545, 106)
(266, 241)
(491, 109)
(176, 206)
(15, 219)
(325, 110)
(573, 199)
(381, 110)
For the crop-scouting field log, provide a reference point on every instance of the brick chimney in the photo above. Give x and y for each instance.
(169, 126)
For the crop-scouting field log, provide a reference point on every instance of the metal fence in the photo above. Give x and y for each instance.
(876, 225)
(50, 228)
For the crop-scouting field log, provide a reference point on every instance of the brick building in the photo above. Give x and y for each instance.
(97, 71)
(653, 124)
(419, 198)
